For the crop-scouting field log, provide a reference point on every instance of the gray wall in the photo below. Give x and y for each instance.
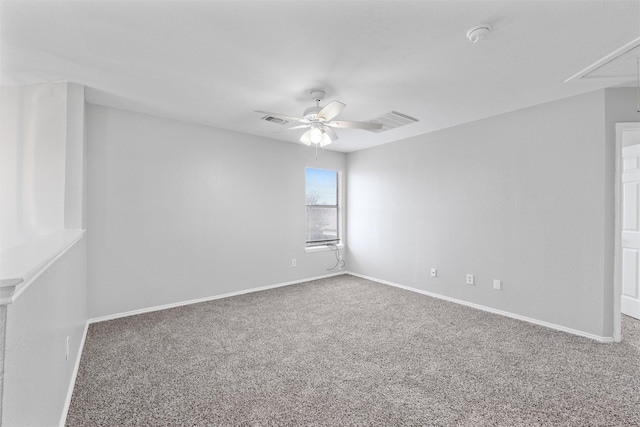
(43, 163)
(621, 105)
(523, 197)
(33, 146)
(37, 374)
(179, 211)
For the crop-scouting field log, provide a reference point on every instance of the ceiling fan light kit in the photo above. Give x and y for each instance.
(319, 120)
(316, 135)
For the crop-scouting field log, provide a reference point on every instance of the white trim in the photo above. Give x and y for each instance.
(603, 61)
(489, 309)
(631, 150)
(72, 382)
(621, 127)
(210, 298)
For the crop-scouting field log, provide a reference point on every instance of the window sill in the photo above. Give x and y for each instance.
(321, 248)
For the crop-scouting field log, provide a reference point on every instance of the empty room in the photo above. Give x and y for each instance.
(329, 213)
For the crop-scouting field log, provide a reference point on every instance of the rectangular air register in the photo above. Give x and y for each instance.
(275, 120)
(392, 120)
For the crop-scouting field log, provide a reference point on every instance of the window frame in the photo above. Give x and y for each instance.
(319, 246)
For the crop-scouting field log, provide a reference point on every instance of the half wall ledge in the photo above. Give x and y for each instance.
(21, 265)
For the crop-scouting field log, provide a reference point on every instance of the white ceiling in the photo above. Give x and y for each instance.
(215, 62)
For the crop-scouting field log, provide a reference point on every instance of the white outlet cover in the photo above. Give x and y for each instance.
(470, 279)
(434, 272)
(497, 285)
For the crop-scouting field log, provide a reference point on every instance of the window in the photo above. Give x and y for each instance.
(322, 207)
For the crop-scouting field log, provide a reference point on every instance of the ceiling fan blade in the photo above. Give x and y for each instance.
(355, 125)
(292, 128)
(296, 127)
(283, 116)
(331, 110)
(305, 138)
(330, 132)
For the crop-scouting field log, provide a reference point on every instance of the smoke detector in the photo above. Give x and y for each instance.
(478, 33)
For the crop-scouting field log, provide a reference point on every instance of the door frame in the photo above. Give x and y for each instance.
(617, 269)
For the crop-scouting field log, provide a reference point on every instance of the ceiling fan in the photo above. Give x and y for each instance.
(319, 121)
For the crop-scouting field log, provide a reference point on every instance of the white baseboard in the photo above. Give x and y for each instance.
(72, 382)
(278, 285)
(210, 298)
(490, 310)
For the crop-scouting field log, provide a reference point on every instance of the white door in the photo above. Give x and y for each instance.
(630, 239)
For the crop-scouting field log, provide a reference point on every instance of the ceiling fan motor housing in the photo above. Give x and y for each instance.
(311, 113)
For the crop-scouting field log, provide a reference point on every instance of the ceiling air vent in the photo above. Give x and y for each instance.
(275, 120)
(392, 120)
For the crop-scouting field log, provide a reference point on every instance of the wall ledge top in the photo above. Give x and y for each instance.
(21, 265)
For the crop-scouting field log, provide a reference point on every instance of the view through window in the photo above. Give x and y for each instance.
(322, 206)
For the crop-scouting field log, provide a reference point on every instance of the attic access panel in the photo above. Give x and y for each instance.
(621, 64)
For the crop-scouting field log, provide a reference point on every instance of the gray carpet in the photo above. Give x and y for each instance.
(631, 331)
(347, 351)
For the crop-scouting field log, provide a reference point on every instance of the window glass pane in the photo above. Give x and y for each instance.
(322, 224)
(322, 187)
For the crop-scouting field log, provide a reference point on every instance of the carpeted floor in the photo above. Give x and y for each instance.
(631, 331)
(347, 351)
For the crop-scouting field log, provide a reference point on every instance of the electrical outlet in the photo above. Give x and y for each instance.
(497, 285)
(470, 279)
(434, 272)
(67, 356)
(293, 262)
